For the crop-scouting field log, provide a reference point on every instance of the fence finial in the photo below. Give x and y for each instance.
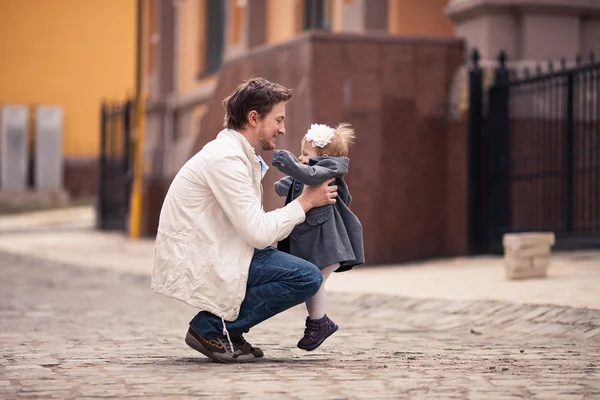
(578, 59)
(475, 57)
(526, 71)
(563, 63)
(592, 57)
(550, 66)
(538, 69)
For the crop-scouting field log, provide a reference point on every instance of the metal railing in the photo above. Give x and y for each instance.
(116, 157)
(535, 153)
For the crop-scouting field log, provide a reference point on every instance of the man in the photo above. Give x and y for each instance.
(212, 248)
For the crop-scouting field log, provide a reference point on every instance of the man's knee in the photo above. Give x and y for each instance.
(314, 278)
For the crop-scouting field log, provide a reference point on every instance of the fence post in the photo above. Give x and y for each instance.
(569, 154)
(499, 145)
(474, 154)
(101, 169)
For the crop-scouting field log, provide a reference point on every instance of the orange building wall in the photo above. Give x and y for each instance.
(72, 53)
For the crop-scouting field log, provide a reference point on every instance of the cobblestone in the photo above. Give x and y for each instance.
(68, 332)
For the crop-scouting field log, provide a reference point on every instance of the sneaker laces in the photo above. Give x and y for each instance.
(226, 333)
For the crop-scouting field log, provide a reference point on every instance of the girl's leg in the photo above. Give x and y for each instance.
(318, 326)
(317, 305)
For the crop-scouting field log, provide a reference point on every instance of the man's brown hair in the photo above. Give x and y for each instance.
(256, 94)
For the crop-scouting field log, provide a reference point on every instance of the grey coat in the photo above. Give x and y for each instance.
(330, 234)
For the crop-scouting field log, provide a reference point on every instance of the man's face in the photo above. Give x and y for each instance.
(271, 126)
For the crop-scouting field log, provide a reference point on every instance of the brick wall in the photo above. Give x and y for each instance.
(408, 167)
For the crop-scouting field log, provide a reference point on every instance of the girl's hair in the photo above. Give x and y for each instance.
(343, 138)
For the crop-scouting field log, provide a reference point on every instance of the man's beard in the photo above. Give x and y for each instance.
(263, 142)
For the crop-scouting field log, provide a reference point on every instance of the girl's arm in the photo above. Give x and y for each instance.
(314, 175)
(282, 186)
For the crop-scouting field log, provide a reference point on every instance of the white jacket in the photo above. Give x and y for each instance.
(211, 221)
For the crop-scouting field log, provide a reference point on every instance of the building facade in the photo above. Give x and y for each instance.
(388, 61)
(73, 54)
(396, 71)
(186, 41)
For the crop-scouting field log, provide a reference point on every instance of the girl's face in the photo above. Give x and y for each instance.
(307, 152)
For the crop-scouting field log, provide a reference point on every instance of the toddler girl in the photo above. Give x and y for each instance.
(331, 236)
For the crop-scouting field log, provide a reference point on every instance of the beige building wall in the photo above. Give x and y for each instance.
(284, 19)
(528, 30)
(419, 18)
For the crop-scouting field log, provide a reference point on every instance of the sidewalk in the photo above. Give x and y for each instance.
(68, 236)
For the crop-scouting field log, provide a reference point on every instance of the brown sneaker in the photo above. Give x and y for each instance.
(219, 349)
(239, 339)
(317, 330)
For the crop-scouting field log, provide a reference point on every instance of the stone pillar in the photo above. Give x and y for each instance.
(48, 149)
(549, 36)
(477, 31)
(14, 148)
(590, 36)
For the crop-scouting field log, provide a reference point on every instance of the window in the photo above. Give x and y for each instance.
(317, 14)
(215, 35)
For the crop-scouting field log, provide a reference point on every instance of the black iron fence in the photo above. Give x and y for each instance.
(116, 163)
(535, 153)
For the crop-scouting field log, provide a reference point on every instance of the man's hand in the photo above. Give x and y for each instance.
(317, 196)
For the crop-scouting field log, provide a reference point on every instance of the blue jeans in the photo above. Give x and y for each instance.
(276, 281)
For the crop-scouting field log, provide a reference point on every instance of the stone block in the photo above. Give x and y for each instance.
(516, 241)
(527, 255)
(536, 250)
(541, 262)
(523, 268)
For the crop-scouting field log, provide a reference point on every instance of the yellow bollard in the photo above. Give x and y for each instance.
(138, 173)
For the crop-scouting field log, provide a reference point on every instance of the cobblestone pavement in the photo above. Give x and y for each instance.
(67, 332)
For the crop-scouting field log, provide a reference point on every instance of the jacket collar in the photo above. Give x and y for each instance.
(241, 139)
(257, 167)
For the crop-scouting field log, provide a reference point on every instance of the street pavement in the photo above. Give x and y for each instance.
(78, 320)
(73, 332)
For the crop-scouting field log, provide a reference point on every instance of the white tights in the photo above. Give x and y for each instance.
(317, 305)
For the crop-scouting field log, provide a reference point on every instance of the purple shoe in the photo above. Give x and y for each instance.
(315, 333)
